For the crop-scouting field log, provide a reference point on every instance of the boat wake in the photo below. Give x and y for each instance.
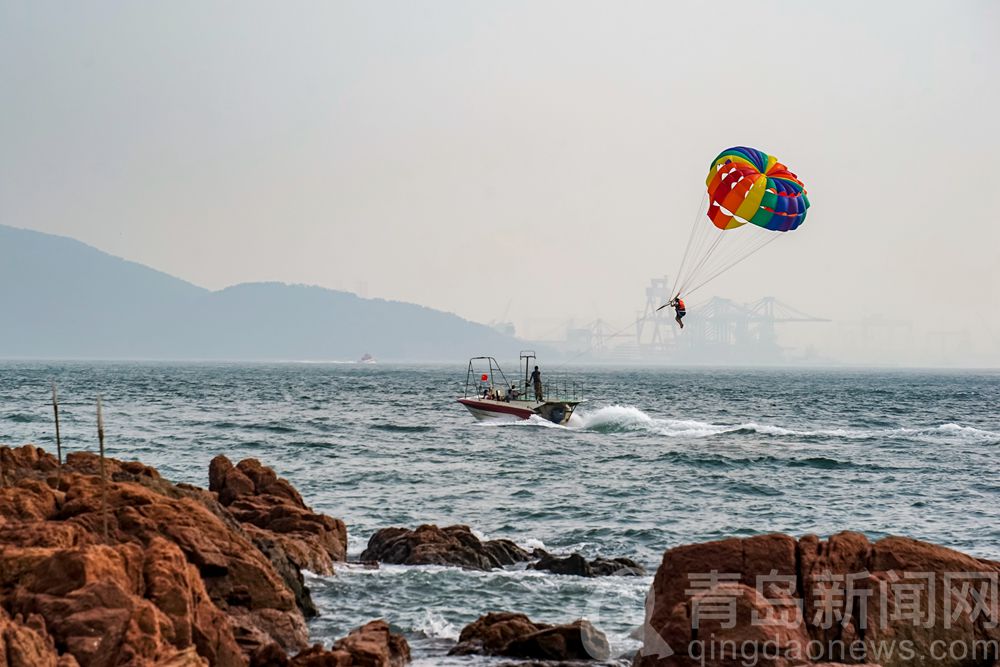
(626, 419)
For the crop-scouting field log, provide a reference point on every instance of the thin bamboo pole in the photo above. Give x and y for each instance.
(104, 477)
(55, 411)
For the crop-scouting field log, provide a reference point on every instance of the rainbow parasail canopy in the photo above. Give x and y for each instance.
(746, 185)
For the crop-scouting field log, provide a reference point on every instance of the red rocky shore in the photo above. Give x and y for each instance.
(143, 572)
(168, 574)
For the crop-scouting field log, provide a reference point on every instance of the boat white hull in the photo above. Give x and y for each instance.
(557, 412)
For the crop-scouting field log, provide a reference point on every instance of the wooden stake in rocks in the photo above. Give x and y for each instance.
(55, 411)
(104, 477)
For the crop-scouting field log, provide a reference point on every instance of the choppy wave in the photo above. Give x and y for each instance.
(403, 428)
(270, 427)
(953, 432)
(25, 418)
(820, 462)
(435, 626)
(625, 418)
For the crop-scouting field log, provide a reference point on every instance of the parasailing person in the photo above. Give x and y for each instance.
(677, 303)
(679, 310)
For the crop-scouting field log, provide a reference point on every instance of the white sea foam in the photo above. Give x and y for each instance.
(480, 535)
(435, 626)
(532, 543)
(625, 418)
(617, 418)
(356, 544)
(945, 433)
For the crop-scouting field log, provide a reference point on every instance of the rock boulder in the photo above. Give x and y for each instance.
(577, 565)
(452, 545)
(138, 571)
(516, 636)
(811, 602)
(371, 645)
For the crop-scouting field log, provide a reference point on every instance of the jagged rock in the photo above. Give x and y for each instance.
(285, 566)
(452, 545)
(166, 575)
(577, 565)
(95, 604)
(238, 577)
(228, 481)
(20, 462)
(371, 645)
(257, 497)
(516, 636)
(173, 585)
(770, 574)
(26, 643)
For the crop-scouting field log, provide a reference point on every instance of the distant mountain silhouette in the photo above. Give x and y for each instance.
(60, 298)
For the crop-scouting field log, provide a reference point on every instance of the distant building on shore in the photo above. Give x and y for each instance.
(718, 331)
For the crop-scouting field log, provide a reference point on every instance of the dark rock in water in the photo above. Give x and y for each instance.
(431, 545)
(616, 567)
(490, 634)
(516, 636)
(371, 645)
(577, 565)
(578, 640)
(459, 547)
(574, 564)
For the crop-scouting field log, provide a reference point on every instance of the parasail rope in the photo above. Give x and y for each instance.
(687, 249)
(701, 264)
(705, 240)
(711, 251)
(733, 263)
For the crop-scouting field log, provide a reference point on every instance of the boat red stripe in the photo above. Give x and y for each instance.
(501, 408)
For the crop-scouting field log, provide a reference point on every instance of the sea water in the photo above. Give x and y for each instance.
(654, 459)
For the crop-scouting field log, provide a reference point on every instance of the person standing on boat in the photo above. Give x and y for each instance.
(536, 381)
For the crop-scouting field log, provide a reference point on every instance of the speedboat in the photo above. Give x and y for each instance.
(489, 394)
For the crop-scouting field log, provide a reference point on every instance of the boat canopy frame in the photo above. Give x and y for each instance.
(493, 366)
(554, 390)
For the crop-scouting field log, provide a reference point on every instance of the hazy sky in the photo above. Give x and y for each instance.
(552, 155)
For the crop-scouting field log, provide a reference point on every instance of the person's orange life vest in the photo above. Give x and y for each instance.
(680, 304)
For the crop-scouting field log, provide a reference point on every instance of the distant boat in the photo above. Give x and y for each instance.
(491, 394)
(366, 359)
